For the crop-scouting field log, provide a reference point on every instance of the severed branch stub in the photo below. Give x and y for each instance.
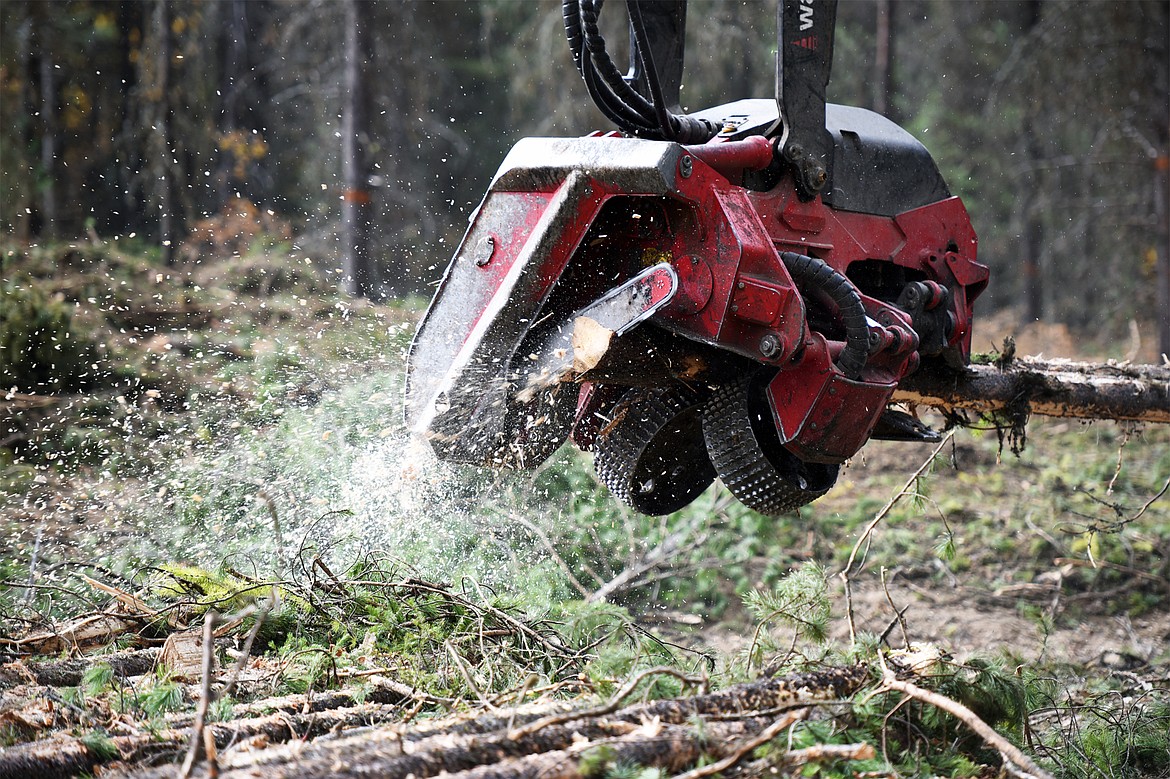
(1054, 388)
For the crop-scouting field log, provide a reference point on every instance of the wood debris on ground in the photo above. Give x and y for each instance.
(88, 714)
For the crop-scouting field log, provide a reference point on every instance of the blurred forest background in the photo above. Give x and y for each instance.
(146, 119)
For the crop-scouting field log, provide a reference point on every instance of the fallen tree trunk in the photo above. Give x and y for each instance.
(1054, 388)
(69, 673)
(670, 748)
(502, 748)
(66, 756)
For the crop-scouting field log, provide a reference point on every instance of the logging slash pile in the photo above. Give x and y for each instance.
(397, 677)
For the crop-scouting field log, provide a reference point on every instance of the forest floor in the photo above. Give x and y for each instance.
(239, 451)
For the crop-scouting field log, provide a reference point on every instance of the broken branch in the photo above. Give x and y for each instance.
(1015, 761)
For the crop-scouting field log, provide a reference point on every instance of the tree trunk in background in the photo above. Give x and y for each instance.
(1162, 273)
(1032, 270)
(164, 163)
(244, 101)
(124, 126)
(50, 132)
(1161, 131)
(26, 133)
(234, 70)
(356, 171)
(883, 80)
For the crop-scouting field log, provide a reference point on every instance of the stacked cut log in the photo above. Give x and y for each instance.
(529, 741)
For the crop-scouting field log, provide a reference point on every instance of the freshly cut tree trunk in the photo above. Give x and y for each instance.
(1054, 388)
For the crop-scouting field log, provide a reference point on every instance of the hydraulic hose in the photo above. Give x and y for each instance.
(811, 272)
(611, 91)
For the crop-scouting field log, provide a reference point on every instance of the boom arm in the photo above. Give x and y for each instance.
(804, 60)
(645, 101)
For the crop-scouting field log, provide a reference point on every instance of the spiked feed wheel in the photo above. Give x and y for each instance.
(653, 457)
(745, 449)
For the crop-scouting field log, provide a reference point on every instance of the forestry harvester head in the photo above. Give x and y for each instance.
(735, 292)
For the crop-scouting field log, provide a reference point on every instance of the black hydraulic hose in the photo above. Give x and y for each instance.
(810, 271)
(603, 97)
(623, 115)
(666, 121)
(675, 127)
(608, 88)
(571, 11)
(595, 43)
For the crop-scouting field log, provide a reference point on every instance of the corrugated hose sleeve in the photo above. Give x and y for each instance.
(809, 271)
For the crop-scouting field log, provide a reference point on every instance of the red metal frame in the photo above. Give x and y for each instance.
(543, 246)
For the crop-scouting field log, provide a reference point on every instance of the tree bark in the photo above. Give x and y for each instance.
(68, 756)
(165, 168)
(69, 673)
(671, 748)
(357, 210)
(1055, 388)
(50, 129)
(672, 733)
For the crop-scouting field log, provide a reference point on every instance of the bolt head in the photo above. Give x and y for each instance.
(484, 250)
(770, 345)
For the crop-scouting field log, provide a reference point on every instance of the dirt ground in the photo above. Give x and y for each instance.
(1051, 340)
(969, 620)
(971, 614)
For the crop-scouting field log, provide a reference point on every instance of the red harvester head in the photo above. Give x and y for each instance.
(742, 307)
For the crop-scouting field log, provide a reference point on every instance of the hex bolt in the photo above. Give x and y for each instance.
(770, 345)
(484, 250)
(685, 166)
(913, 295)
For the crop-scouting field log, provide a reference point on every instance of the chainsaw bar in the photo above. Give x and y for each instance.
(519, 416)
(581, 340)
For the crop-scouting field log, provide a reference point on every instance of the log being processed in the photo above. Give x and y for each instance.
(1054, 388)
